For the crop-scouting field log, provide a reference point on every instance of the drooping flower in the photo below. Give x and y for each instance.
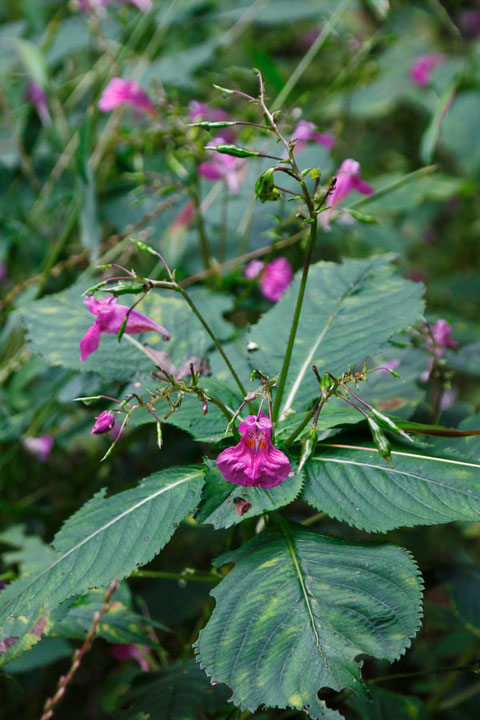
(348, 179)
(130, 651)
(125, 92)
(39, 447)
(254, 462)
(110, 317)
(307, 132)
(421, 69)
(103, 423)
(36, 95)
(223, 167)
(438, 340)
(275, 278)
(253, 269)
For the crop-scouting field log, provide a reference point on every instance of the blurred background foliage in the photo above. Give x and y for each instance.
(75, 188)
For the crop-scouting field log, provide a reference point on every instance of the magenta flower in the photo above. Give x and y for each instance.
(307, 132)
(348, 180)
(36, 95)
(438, 340)
(223, 167)
(442, 335)
(253, 269)
(103, 423)
(110, 317)
(125, 92)
(39, 447)
(421, 69)
(275, 279)
(254, 462)
(129, 651)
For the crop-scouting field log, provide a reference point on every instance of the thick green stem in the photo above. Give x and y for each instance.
(296, 317)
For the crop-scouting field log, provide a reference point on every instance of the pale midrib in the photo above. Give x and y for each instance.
(309, 358)
(102, 529)
(401, 454)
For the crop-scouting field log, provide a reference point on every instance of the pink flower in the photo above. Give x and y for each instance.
(438, 340)
(421, 69)
(223, 167)
(91, 5)
(125, 92)
(348, 179)
(184, 217)
(389, 365)
(254, 462)
(253, 269)
(39, 447)
(103, 423)
(36, 95)
(307, 132)
(110, 317)
(275, 279)
(129, 651)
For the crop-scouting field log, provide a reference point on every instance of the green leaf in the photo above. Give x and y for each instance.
(355, 485)
(463, 582)
(432, 133)
(46, 652)
(340, 301)
(297, 610)
(220, 504)
(386, 705)
(34, 61)
(120, 625)
(107, 538)
(181, 692)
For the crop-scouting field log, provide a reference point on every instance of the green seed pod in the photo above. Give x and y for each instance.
(265, 189)
(380, 440)
(233, 150)
(308, 446)
(213, 125)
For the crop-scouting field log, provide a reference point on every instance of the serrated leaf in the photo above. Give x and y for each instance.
(220, 498)
(355, 485)
(297, 610)
(106, 539)
(340, 301)
(181, 692)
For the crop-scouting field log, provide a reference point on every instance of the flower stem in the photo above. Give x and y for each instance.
(296, 317)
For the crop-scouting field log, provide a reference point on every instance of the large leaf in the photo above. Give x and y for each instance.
(220, 499)
(106, 539)
(181, 692)
(56, 324)
(296, 611)
(385, 705)
(349, 313)
(356, 485)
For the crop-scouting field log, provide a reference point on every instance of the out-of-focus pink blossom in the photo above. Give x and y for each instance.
(254, 462)
(421, 69)
(223, 167)
(125, 92)
(275, 279)
(185, 216)
(39, 447)
(103, 423)
(253, 269)
(469, 22)
(36, 95)
(306, 132)
(110, 317)
(201, 111)
(92, 5)
(348, 180)
(438, 340)
(129, 651)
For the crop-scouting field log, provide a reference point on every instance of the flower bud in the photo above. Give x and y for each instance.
(380, 440)
(103, 423)
(308, 446)
(265, 187)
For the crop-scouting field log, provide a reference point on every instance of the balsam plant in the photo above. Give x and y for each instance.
(295, 610)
